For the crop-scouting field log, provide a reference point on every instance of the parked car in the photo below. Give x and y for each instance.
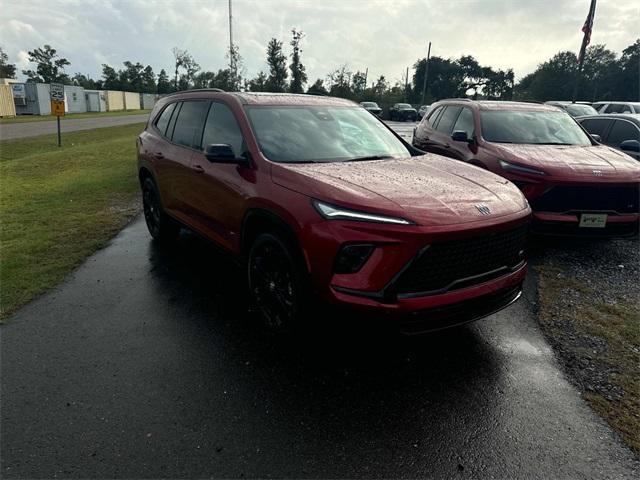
(574, 184)
(621, 131)
(372, 107)
(617, 107)
(422, 111)
(403, 112)
(577, 109)
(322, 199)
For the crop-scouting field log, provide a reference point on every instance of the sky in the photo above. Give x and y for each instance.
(385, 36)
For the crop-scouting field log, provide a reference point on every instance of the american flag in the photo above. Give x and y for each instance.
(586, 29)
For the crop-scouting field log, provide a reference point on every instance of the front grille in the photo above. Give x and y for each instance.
(461, 263)
(620, 199)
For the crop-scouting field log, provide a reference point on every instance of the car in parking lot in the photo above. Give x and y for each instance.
(403, 112)
(575, 109)
(320, 199)
(574, 185)
(422, 111)
(372, 107)
(617, 107)
(621, 131)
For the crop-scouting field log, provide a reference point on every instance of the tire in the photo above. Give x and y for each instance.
(161, 227)
(277, 282)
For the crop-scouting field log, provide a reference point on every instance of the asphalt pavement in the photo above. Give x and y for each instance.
(33, 129)
(148, 362)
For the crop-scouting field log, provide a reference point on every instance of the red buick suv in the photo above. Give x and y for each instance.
(575, 185)
(319, 198)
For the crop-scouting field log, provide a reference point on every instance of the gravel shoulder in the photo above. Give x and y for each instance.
(589, 310)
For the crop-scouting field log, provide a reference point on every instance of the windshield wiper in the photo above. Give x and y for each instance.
(370, 157)
(554, 143)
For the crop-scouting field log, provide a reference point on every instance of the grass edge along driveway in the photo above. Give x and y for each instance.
(59, 205)
(70, 116)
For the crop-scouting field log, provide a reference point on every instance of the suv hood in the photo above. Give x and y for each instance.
(429, 189)
(573, 159)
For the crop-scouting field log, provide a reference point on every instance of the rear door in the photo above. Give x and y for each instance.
(218, 190)
(183, 136)
(441, 136)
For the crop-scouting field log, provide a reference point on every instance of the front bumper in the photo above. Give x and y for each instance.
(374, 289)
(568, 224)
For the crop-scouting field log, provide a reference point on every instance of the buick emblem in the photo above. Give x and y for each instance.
(483, 209)
(597, 173)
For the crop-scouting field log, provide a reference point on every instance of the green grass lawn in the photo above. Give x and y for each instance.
(58, 205)
(70, 116)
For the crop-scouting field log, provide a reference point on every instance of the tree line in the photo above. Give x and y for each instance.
(605, 76)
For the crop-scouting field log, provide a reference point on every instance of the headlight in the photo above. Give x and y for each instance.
(511, 167)
(331, 212)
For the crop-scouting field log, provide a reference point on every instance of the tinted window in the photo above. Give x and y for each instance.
(322, 134)
(596, 126)
(188, 129)
(617, 108)
(622, 131)
(165, 116)
(434, 116)
(531, 127)
(465, 122)
(222, 127)
(445, 125)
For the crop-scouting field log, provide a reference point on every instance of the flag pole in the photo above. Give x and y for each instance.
(586, 39)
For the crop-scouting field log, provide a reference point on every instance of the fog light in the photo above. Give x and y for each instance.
(352, 257)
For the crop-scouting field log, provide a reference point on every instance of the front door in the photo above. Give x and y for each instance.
(218, 190)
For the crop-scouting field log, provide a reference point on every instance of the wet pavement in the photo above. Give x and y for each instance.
(33, 129)
(147, 362)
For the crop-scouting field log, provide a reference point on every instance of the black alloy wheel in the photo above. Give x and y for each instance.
(275, 282)
(160, 226)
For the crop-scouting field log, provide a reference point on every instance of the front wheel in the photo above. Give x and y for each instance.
(276, 282)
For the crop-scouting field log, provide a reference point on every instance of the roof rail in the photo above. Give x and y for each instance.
(197, 90)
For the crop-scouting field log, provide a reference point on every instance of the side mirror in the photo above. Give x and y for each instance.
(630, 146)
(460, 136)
(222, 153)
(596, 137)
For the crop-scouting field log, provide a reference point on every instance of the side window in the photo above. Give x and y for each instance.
(188, 129)
(172, 122)
(597, 126)
(163, 120)
(622, 131)
(615, 108)
(465, 122)
(222, 127)
(445, 125)
(434, 116)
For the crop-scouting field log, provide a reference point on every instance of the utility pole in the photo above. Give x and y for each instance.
(426, 74)
(366, 74)
(586, 39)
(232, 63)
(406, 85)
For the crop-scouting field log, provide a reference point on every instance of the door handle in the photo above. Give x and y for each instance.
(159, 155)
(198, 168)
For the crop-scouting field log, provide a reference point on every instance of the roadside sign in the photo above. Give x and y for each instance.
(56, 92)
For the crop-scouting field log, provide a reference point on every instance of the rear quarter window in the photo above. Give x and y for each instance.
(163, 119)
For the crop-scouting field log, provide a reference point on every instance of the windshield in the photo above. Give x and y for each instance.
(538, 128)
(577, 110)
(369, 104)
(322, 134)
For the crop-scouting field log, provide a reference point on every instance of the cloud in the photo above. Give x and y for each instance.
(385, 36)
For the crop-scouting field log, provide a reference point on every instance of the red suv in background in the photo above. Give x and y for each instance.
(574, 184)
(322, 198)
